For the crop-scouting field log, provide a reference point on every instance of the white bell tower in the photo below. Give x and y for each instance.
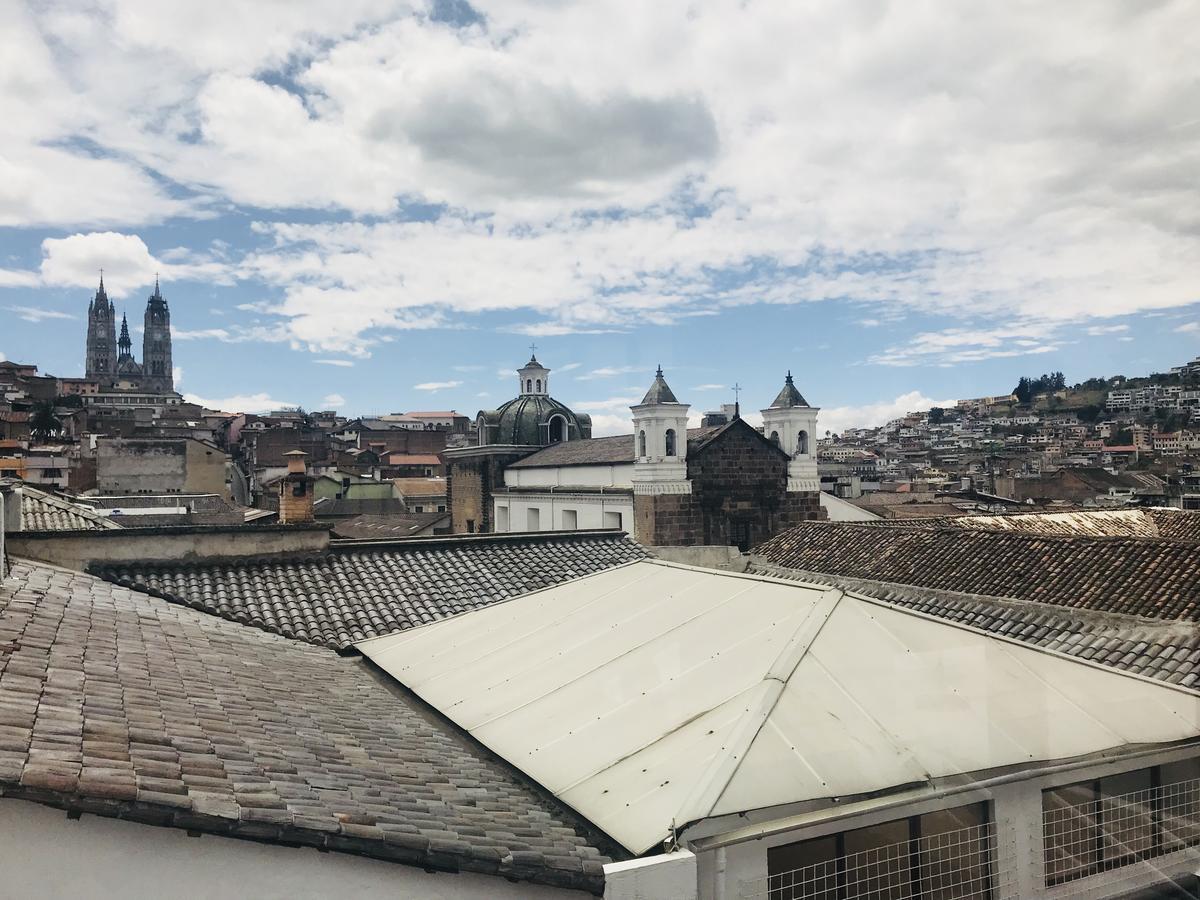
(660, 442)
(535, 378)
(791, 424)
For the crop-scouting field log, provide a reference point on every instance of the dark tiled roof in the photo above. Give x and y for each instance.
(1153, 578)
(594, 451)
(1169, 651)
(116, 703)
(788, 397)
(1176, 524)
(385, 527)
(660, 391)
(360, 591)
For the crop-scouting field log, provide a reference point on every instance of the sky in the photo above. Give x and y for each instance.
(380, 206)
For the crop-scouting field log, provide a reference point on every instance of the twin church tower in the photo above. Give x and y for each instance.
(110, 359)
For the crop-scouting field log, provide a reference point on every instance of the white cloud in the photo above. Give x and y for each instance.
(37, 314)
(1189, 327)
(838, 418)
(607, 424)
(960, 345)
(177, 376)
(13, 278)
(333, 401)
(709, 387)
(343, 363)
(593, 177)
(128, 265)
(1098, 330)
(436, 385)
(251, 403)
(569, 367)
(608, 372)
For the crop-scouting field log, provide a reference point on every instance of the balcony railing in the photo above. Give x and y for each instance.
(953, 865)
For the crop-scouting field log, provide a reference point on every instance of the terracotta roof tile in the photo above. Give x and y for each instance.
(120, 704)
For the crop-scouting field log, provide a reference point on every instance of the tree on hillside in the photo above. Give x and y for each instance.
(1024, 390)
(44, 422)
(937, 415)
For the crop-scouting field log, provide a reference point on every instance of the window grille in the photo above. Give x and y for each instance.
(1092, 836)
(953, 865)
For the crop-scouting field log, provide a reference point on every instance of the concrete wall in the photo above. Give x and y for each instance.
(76, 549)
(151, 466)
(45, 855)
(718, 557)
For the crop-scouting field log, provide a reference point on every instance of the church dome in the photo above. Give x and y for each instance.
(533, 418)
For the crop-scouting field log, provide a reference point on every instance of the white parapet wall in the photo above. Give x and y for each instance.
(669, 876)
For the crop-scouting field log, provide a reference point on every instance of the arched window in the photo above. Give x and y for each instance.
(802, 443)
(641, 443)
(539, 385)
(529, 385)
(558, 429)
(775, 438)
(670, 442)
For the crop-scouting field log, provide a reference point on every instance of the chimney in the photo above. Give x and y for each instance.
(296, 490)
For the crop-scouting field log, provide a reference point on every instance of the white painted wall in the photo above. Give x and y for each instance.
(591, 511)
(617, 475)
(45, 855)
(669, 876)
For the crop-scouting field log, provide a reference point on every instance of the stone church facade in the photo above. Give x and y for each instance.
(110, 361)
(537, 468)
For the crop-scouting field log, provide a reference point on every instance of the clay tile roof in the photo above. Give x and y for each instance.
(1168, 650)
(124, 705)
(357, 591)
(41, 511)
(1138, 576)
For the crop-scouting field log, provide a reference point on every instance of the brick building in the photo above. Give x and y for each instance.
(665, 483)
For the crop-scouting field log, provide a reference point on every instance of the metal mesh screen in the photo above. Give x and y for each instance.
(1084, 838)
(953, 865)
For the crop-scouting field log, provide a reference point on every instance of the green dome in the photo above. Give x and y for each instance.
(526, 421)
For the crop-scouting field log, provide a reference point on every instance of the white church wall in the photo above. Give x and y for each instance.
(619, 475)
(562, 512)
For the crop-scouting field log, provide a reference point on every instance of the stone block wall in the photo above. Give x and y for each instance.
(739, 497)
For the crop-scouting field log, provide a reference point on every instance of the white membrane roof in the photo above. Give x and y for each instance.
(655, 693)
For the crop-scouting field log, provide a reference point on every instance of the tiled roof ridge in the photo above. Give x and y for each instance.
(363, 588)
(920, 525)
(887, 589)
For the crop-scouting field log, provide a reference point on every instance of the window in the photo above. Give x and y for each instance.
(802, 442)
(558, 429)
(641, 443)
(775, 438)
(942, 855)
(670, 442)
(502, 518)
(570, 520)
(529, 385)
(441, 507)
(1095, 826)
(533, 519)
(470, 526)
(539, 385)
